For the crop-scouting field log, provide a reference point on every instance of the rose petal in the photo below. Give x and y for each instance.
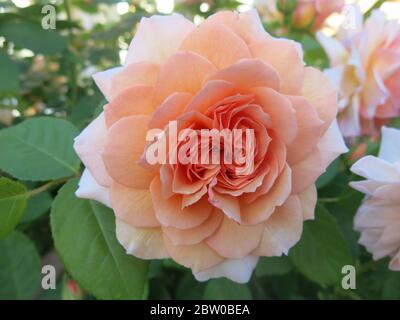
(235, 241)
(133, 206)
(124, 147)
(239, 270)
(144, 243)
(131, 101)
(90, 189)
(157, 38)
(89, 146)
(217, 43)
(283, 230)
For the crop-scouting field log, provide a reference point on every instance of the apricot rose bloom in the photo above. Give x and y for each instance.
(226, 73)
(365, 64)
(378, 218)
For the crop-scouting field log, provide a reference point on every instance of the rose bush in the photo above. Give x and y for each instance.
(226, 73)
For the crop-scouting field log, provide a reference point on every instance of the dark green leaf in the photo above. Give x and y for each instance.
(224, 289)
(37, 205)
(9, 75)
(84, 235)
(20, 267)
(273, 266)
(322, 250)
(30, 35)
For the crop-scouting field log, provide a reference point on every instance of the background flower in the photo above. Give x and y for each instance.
(365, 64)
(378, 218)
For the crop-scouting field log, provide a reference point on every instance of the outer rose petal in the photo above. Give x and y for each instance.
(286, 57)
(141, 73)
(376, 169)
(90, 189)
(103, 80)
(217, 43)
(320, 93)
(283, 230)
(236, 270)
(333, 48)
(308, 200)
(306, 172)
(89, 145)
(133, 206)
(129, 102)
(124, 147)
(157, 38)
(395, 263)
(246, 24)
(144, 243)
(197, 257)
(390, 145)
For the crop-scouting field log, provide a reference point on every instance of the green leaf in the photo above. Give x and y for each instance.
(84, 235)
(20, 267)
(12, 204)
(273, 266)
(391, 288)
(39, 149)
(30, 35)
(9, 75)
(329, 175)
(322, 250)
(224, 289)
(37, 206)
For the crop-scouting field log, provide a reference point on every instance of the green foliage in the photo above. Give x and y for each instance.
(84, 235)
(39, 149)
(12, 204)
(30, 35)
(220, 289)
(322, 251)
(20, 267)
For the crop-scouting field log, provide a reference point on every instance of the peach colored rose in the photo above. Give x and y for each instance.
(365, 64)
(378, 218)
(226, 73)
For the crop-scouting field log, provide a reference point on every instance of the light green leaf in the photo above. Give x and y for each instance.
(20, 267)
(224, 289)
(9, 75)
(84, 235)
(12, 204)
(322, 250)
(39, 149)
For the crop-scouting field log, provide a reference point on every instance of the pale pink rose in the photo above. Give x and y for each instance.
(226, 73)
(315, 12)
(378, 218)
(307, 13)
(365, 64)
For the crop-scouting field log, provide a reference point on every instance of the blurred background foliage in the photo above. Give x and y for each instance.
(48, 73)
